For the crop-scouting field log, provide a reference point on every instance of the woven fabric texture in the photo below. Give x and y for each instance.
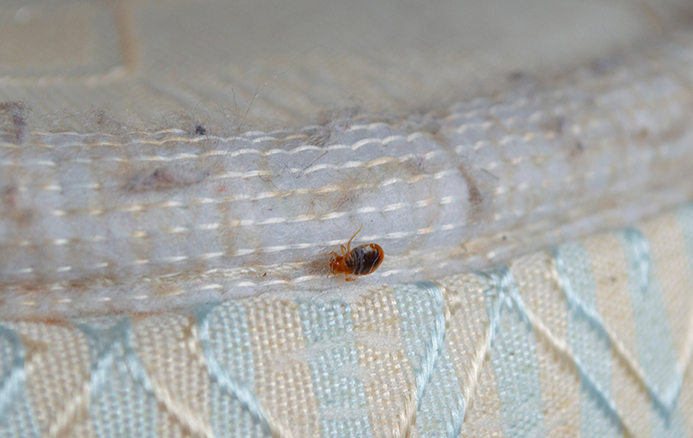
(173, 173)
(592, 338)
(173, 63)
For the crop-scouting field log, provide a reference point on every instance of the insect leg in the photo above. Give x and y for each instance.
(352, 238)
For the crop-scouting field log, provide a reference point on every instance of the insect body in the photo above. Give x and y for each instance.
(361, 260)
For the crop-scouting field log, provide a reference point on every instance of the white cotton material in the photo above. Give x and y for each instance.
(151, 220)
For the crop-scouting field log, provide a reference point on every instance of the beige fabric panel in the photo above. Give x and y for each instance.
(379, 350)
(687, 400)
(148, 62)
(484, 416)
(674, 274)
(613, 302)
(58, 366)
(278, 350)
(167, 348)
(536, 281)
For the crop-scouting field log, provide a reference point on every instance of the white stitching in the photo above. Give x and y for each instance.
(274, 249)
(141, 234)
(248, 251)
(253, 173)
(234, 198)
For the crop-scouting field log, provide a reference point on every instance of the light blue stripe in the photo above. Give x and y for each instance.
(671, 426)
(228, 351)
(657, 355)
(685, 216)
(121, 393)
(328, 330)
(514, 359)
(16, 412)
(440, 409)
(588, 341)
(656, 352)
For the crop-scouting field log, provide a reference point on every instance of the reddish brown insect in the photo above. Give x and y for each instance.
(361, 260)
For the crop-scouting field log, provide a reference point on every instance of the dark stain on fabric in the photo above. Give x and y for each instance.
(101, 121)
(10, 207)
(13, 121)
(333, 123)
(481, 187)
(164, 179)
(516, 76)
(200, 129)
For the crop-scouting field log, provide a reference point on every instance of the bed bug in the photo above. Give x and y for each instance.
(361, 260)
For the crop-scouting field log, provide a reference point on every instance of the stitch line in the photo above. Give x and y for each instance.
(685, 357)
(505, 140)
(248, 135)
(142, 234)
(212, 153)
(248, 251)
(242, 252)
(560, 109)
(568, 179)
(248, 174)
(500, 190)
(518, 103)
(264, 195)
